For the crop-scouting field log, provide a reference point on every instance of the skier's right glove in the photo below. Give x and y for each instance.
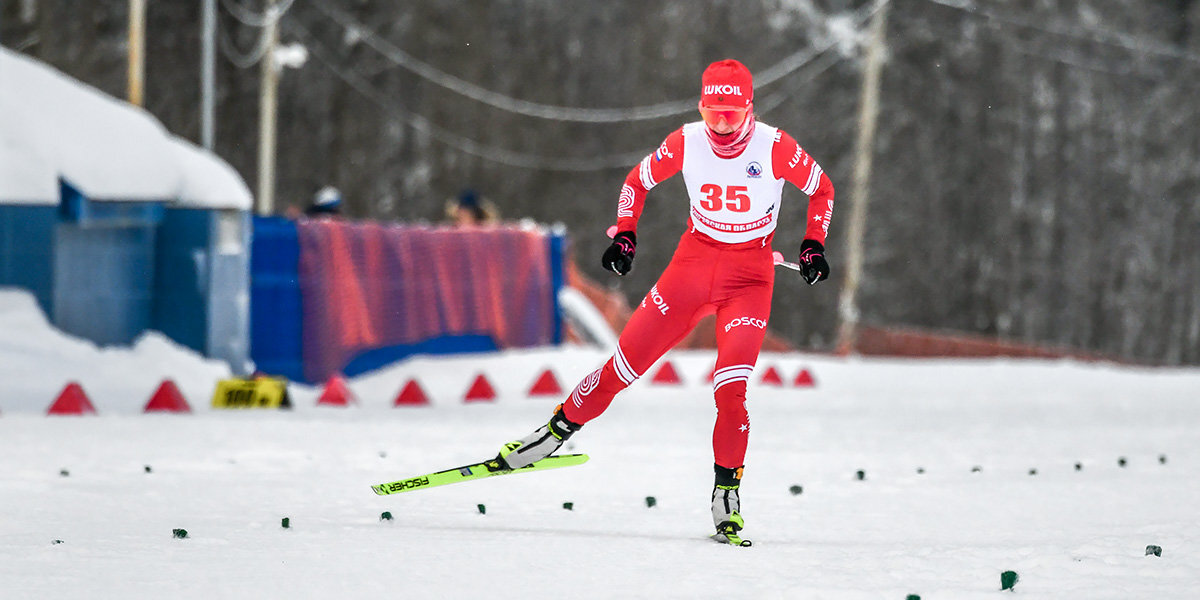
(619, 256)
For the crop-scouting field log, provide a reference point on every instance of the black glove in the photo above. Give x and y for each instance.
(619, 256)
(813, 267)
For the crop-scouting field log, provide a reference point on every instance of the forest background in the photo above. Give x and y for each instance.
(1036, 162)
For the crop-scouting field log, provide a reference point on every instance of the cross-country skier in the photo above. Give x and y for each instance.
(734, 169)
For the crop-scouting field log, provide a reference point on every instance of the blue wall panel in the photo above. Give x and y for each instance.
(109, 270)
(180, 286)
(275, 317)
(103, 279)
(27, 250)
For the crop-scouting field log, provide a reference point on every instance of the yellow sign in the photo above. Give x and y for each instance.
(255, 392)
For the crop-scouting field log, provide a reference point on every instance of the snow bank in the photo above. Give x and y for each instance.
(37, 361)
(54, 125)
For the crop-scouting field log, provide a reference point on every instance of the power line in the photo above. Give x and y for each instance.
(507, 157)
(253, 19)
(778, 97)
(1064, 55)
(238, 58)
(460, 143)
(1098, 35)
(248, 17)
(565, 113)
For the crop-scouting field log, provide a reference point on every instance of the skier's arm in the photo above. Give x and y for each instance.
(790, 162)
(654, 169)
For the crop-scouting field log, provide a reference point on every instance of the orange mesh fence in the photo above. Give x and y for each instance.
(370, 285)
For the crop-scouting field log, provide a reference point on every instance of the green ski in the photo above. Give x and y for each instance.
(479, 470)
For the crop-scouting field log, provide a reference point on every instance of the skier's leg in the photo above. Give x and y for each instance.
(665, 316)
(741, 327)
(646, 337)
(740, 334)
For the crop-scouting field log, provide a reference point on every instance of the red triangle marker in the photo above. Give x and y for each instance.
(804, 379)
(481, 391)
(167, 398)
(72, 401)
(412, 395)
(771, 377)
(666, 375)
(546, 385)
(336, 393)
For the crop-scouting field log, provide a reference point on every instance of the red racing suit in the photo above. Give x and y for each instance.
(723, 264)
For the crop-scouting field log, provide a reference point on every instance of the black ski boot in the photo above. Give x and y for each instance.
(539, 444)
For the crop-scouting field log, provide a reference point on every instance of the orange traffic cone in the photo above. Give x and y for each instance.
(804, 379)
(771, 377)
(336, 393)
(167, 398)
(481, 391)
(666, 375)
(412, 395)
(72, 401)
(546, 385)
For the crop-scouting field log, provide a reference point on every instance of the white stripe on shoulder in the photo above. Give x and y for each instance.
(645, 174)
(814, 179)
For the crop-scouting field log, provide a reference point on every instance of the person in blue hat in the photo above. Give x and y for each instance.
(326, 202)
(469, 210)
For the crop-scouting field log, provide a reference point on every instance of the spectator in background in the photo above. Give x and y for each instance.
(469, 210)
(327, 202)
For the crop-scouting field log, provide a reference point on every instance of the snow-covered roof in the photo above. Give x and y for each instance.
(52, 125)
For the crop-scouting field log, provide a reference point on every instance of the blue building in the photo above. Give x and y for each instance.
(115, 225)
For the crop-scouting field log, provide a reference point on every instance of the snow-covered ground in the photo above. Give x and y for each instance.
(229, 478)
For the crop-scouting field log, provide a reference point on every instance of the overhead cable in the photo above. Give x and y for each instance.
(503, 156)
(460, 143)
(253, 19)
(565, 113)
(1080, 32)
(238, 58)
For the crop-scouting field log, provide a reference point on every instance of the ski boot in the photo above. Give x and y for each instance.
(726, 505)
(539, 444)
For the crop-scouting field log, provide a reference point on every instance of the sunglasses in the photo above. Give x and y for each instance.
(733, 116)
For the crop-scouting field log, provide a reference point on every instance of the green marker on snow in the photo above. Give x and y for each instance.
(1008, 579)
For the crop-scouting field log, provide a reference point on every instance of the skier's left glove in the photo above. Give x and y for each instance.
(813, 267)
(619, 256)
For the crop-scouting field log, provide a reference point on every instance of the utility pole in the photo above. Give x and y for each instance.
(268, 99)
(137, 50)
(208, 68)
(868, 115)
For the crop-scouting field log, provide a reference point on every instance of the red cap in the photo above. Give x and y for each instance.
(726, 83)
